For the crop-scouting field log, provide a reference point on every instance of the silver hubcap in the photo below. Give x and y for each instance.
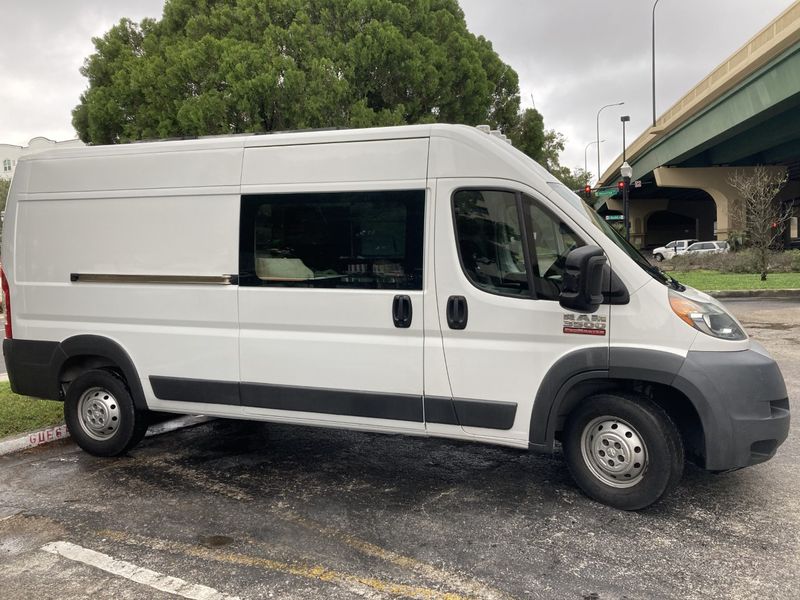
(98, 412)
(614, 452)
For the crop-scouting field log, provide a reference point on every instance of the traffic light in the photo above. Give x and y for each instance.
(588, 191)
(620, 186)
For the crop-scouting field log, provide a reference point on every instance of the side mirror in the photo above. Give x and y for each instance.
(582, 289)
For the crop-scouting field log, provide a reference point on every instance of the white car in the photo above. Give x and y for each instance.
(707, 248)
(670, 250)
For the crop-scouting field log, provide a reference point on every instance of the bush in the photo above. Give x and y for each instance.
(744, 261)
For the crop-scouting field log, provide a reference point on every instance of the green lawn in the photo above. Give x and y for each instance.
(19, 414)
(712, 280)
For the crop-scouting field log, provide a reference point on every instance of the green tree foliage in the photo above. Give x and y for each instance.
(528, 135)
(5, 185)
(545, 147)
(234, 66)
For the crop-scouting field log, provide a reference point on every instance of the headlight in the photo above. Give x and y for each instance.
(705, 317)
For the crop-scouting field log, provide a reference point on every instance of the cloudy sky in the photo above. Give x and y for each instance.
(573, 56)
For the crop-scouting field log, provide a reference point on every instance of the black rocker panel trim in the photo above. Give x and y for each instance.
(488, 415)
(396, 407)
(440, 410)
(195, 390)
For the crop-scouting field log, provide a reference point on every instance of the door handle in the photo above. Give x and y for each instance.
(457, 312)
(402, 312)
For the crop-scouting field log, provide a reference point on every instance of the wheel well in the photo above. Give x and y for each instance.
(74, 366)
(676, 404)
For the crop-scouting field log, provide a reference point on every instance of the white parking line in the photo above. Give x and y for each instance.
(121, 568)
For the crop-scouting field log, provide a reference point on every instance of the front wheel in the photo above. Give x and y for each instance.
(659, 257)
(101, 416)
(623, 450)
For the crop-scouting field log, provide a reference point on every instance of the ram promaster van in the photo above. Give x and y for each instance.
(425, 280)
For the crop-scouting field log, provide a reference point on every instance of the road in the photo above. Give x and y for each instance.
(255, 510)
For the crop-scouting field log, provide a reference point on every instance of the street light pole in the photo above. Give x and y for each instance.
(654, 62)
(586, 158)
(624, 119)
(627, 172)
(598, 135)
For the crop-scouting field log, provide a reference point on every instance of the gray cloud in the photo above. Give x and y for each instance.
(572, 55)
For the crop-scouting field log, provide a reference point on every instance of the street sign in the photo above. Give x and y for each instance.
(637, 183)
(615, 217)
(606, 192)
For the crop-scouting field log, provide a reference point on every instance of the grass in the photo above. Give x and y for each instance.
(713, 280)
(19, 414)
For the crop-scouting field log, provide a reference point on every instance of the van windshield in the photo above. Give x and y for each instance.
(612, 234)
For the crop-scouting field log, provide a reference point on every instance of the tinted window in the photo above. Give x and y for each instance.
(552, 240)
(491, 247)
(490, 241)
(371, 240)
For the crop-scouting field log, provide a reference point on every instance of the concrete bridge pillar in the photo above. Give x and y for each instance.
(641, 209)
(715, 181)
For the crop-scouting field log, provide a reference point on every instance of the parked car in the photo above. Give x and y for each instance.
(429, 280)
(671, 249)
(707, 248)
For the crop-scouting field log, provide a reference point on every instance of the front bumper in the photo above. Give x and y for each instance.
(742, 402)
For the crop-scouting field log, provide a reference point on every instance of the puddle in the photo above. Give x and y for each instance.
(215, 541)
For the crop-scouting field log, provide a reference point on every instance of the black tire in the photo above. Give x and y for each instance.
(101, 416)
(608, 429)
(659, 257)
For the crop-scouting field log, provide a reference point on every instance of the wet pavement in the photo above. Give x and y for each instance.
(256, 510)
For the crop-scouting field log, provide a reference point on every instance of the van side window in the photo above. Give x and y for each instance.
(490, 241)
(492, 249)
(361, 240)
(552, 240)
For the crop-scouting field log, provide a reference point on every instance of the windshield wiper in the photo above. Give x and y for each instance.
(677, 285)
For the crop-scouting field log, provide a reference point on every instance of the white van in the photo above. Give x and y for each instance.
(427, 280)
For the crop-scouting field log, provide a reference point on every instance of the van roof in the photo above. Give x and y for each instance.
(454, 151)
(255, 140)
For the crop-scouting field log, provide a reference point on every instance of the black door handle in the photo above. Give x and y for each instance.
(402, 312)
(457, 312)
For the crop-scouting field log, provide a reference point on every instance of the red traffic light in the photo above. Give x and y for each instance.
(587, 190)
(621, 186)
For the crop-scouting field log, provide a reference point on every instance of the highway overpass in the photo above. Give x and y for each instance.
(744, 113)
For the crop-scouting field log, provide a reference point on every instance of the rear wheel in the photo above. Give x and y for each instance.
(101, 416)
(623, 450)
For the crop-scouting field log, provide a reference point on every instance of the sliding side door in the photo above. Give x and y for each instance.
(330, 304)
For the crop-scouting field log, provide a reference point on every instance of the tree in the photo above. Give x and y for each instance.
(5, 185)
(234, 66)
(545, 147)
(575, 179)
(759, 211)
(528, 134)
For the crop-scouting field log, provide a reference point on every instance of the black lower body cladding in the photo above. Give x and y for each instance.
(29, 364)
(742, 401)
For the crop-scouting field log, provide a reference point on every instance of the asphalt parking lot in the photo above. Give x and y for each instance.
(254, 510)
